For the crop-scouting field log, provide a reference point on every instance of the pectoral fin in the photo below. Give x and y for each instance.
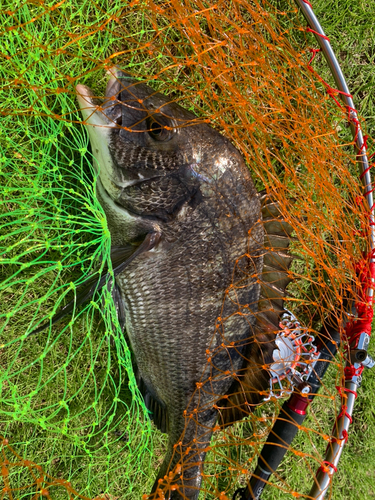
(121, 257)
(119, 304)
(158, 410)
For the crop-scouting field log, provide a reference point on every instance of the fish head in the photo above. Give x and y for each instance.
(147, 145)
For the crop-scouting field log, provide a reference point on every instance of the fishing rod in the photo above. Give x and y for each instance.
(357, 331)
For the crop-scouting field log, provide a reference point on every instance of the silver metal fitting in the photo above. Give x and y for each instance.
(359, 356)
(369, 362)
(293, 358)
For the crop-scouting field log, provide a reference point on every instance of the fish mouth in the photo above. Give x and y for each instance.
(102, 112)
(108, 111)
(101, 116)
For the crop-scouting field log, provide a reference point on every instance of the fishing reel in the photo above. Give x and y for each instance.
(293, 358)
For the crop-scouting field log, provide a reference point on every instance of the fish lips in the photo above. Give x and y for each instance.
(105, 113)
(100, 120)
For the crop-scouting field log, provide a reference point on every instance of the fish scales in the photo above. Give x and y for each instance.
(181, 291)
(182, 208)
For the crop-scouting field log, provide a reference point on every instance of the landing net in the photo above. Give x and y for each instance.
(71, 416)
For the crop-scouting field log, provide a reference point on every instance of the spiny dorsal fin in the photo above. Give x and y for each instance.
(277, 276)
(246, 391)
(276, 243)
(277, 260)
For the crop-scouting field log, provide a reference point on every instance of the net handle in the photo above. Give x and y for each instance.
(291, 416)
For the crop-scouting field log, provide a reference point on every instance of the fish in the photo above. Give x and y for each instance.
(197, 294)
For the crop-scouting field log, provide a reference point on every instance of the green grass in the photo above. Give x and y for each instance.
(69, 400)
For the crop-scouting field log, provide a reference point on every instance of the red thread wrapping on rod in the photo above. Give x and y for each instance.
(314, 52)
(364, 145)
(367, 169)
(308, 3)
(352, 117)
(369, 192)
(331, 91)
(351, 371)
(344, 412)
(340, 390)
(325, 465)
(365, 271)
(345, 435)
(319, 34)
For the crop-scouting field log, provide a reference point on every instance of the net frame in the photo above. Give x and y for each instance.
(354, 367)
(357, 333)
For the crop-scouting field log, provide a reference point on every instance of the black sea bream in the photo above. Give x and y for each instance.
(181, 207)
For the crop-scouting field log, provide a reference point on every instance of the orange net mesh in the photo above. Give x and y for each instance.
(242, 68)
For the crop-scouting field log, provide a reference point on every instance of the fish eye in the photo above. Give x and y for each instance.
(156, 129)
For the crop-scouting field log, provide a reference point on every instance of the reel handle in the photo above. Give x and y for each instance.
(291, 416)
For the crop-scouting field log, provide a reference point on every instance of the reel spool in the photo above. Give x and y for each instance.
(293, 358)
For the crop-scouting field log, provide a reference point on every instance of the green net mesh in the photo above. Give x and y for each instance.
(69, 400)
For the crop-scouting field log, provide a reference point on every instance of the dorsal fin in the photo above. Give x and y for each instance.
(276, 261)
(246, 391)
